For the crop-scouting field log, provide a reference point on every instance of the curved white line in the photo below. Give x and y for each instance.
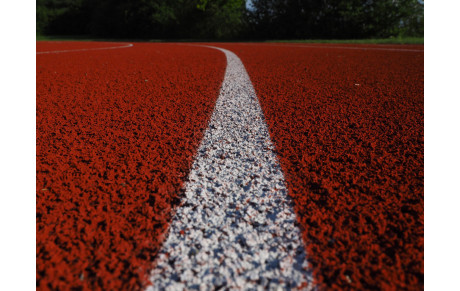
(236, 228)
(88, 49)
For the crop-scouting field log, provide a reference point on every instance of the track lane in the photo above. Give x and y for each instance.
(236, 227)
(116, 134)
(348, 128)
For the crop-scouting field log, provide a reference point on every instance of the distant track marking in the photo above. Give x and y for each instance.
(88, 49)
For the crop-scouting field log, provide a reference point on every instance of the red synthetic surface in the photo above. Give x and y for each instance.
(348, 125)
(116, 134)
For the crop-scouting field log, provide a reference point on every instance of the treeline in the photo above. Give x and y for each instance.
(230, 19)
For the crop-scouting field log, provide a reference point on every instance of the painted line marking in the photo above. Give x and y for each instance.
(236, 227)
(89, 49)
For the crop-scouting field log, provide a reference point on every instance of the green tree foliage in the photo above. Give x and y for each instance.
(230, 19)
(339, 19)
(134, 19)
(220, 19)
(63, 16)
(142, 18)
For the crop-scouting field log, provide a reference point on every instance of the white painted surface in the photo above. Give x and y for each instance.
(236, 228)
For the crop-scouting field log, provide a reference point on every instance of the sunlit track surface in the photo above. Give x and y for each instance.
(116, 134)
(236, 228)
(118, 131)
(348, 128)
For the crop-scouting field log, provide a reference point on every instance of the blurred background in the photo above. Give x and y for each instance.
(230, 19)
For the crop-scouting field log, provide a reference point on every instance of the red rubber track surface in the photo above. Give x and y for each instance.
(116, 134)
(348, 127)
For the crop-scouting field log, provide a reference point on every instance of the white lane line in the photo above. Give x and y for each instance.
(341, 47)
(236, 227)
(88, 49)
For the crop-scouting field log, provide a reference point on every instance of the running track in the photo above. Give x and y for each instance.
(119, 126)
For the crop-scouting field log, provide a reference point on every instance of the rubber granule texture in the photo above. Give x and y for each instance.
(348, 127)
(236, 228)
(116, 134)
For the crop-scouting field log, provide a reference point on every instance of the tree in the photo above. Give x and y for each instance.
(142, 18)
(63, 16)
(227, 19)
(221, 19)
(336, 18)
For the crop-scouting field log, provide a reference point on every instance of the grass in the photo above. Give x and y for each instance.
(394, 40)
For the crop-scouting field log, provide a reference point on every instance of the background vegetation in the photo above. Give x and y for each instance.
(231, 19)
